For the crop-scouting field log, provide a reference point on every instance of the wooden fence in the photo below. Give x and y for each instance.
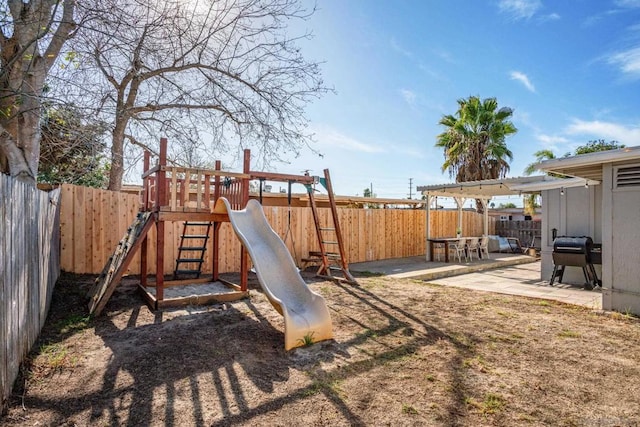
(528, 232)
(29, 268)
(93, 221)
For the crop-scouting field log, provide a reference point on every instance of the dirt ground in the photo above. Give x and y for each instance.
(405, 353)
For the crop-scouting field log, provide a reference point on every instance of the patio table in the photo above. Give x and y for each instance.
(446, 241)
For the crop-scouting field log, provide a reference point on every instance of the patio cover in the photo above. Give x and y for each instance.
(486, 189)
(589, 166)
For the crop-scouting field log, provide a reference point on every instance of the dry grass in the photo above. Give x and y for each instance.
(405, 353)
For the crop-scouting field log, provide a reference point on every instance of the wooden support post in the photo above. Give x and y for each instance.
(459, 202)
(215, 256)
(216, 186)
(244, 270)
(161, 200)
(159, 260)
(161, 181)
(244, 197)
(485, 217)
(428, 227)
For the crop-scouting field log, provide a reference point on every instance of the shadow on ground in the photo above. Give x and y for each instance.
(225, 364)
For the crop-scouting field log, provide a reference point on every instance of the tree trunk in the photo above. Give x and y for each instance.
(13, 160)
(20, 140)
(23, 69)
(117, 155)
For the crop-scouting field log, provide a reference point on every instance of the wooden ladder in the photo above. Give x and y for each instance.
(191, 249)
(335, 259)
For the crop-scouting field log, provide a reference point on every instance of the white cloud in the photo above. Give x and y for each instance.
(330, 137)
(555, 143)
(550, 17)
(522, 78)
(597, 129)
(628, 3)
(627, 61)
(551, 140)
(409, 96)
(444, 54)
(395, 46)
(519, 9)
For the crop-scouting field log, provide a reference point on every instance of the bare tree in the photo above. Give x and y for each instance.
(211, 74)
(32, 34)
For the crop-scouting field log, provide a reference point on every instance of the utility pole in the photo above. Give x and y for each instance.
(410, 188)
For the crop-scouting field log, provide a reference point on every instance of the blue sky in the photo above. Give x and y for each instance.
(569, 69)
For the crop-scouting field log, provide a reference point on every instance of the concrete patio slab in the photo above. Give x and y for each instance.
(512, 275)
(418, 268)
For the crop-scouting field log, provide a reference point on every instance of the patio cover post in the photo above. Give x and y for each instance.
(428, 226)
(459, 201)
(485, 216)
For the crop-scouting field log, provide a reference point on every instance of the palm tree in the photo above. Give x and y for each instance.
(530, 202)
(474, 141)
(540, 156)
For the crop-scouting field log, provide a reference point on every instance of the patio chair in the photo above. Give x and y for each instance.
(438, 249)
(459, 248)
(472, 247)
(484, 247)
(515, 246)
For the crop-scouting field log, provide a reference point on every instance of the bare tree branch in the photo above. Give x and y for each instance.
(215, 74)
(62, 33)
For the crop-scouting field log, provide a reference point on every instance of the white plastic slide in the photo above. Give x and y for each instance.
(306, 316)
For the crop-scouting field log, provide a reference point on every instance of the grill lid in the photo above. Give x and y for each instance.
(568, 244)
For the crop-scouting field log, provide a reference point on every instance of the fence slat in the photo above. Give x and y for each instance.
(526, 231)
(4, 242)
(369, 234)
(28, 271)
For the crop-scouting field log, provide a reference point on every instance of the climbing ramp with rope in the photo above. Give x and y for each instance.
(118, 262)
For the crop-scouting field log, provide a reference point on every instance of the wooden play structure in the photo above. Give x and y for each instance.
(187, 195)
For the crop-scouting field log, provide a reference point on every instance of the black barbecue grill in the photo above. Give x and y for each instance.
(575, 252)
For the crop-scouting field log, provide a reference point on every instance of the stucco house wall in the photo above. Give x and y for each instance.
(577, 212)
(609, 212)
(621, 243)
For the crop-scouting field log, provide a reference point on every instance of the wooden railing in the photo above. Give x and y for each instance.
(182, 189)
(233, 191)
(194, 190)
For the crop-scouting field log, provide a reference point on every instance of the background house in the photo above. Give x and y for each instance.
(514, 214)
